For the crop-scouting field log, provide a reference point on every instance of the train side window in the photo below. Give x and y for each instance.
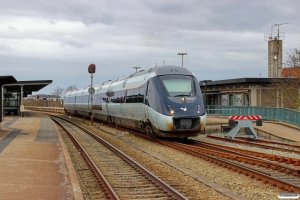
(147, 88)
(121, 96)
(114, 97)
(117, 97)
(135, 95)
(128, 96)
(95, 97)
(134, 99)
(99, 98)
(140, 97)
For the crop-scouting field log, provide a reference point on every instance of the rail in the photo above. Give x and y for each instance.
(46, 109)
(267, 113)
(172, 193)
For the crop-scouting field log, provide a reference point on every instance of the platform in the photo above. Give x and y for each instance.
(34, 162)
(278, 129)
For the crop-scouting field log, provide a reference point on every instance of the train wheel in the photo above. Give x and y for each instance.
(109, 119)
(149, 131)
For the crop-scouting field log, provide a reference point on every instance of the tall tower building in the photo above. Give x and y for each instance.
(275, 52)
(275, 58)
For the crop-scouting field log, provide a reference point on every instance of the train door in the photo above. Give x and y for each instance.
(150, 114)
(146, 103)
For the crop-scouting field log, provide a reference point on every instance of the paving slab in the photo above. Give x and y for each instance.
(34, 163)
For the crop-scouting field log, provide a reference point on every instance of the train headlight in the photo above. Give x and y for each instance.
(198, 108)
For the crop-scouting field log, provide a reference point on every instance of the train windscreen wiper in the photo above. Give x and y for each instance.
(182, 95)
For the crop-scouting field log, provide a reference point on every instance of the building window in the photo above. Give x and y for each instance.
(238, 99)
(224, 100)
(231, 99)
(11, 98)
(246, 99)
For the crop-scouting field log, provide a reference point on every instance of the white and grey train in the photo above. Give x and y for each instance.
(164, 101)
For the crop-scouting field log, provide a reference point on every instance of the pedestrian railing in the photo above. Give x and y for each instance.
(267, 113)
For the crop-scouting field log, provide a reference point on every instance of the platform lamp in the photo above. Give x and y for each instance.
(182, 54)
(92, 70)
(136, 68)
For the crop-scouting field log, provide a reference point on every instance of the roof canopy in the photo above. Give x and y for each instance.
(28, 86)
(34, 86)
(7, 80)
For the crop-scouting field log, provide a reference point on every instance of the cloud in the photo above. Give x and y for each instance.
(72, 41)
(57, 40)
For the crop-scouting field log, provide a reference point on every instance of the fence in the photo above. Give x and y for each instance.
(268, 113)
(43, 103)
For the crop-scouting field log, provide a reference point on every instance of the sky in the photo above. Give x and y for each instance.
(58, 39)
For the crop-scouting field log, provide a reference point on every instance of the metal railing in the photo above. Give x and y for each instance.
(268, 113)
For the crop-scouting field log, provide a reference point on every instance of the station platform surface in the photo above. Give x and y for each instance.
(34, 162)
(282, 130)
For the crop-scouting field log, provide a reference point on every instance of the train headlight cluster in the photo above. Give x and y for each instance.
(198, 108)
(171, 110)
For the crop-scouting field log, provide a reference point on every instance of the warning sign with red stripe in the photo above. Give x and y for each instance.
(240, 117)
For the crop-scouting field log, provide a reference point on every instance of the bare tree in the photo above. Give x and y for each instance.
(57, 92)
(293, 58)
(71, 88)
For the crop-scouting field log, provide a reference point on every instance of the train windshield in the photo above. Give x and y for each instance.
(178, 85)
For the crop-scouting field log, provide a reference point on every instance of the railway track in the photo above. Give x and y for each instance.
(280, 175)
(178, 184)
(286, 145)
(244, 152)
(282, 179)
(265, 145)
(119, 176)
(276, 174)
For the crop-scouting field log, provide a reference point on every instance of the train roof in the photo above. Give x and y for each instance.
(159, 70)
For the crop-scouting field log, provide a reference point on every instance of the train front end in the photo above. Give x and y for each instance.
(181, 112)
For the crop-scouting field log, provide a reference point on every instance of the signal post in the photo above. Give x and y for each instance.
(92, 70)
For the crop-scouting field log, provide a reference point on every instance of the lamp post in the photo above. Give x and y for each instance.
(136, 68)
(182, 54)
(205, 89)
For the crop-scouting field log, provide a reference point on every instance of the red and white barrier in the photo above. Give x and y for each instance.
(241, 117)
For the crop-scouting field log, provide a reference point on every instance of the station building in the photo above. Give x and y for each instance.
(13, 93)
(244, 92)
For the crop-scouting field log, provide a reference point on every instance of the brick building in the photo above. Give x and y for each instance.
(291, 72)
